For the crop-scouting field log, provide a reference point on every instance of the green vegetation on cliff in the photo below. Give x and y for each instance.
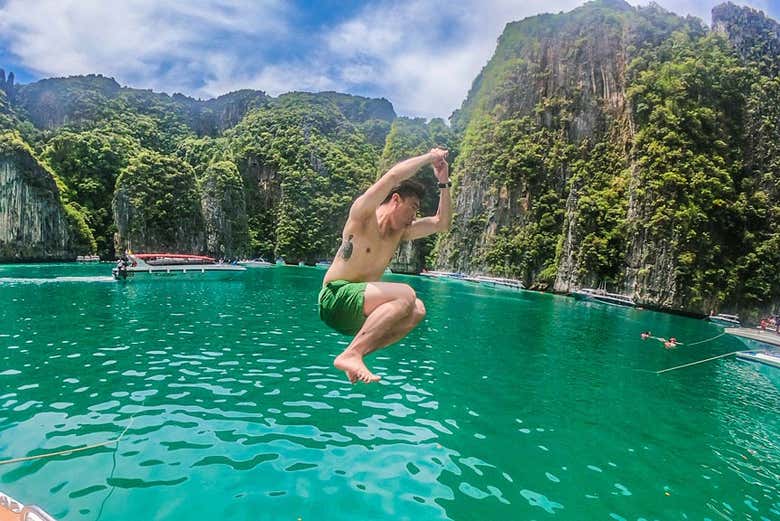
(303, 162)
(159, 200)
(51, 192)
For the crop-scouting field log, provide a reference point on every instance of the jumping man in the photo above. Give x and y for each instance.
(352, 300)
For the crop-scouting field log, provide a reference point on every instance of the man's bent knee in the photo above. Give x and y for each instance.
(408, 299)
(409, 295)
(419, 311)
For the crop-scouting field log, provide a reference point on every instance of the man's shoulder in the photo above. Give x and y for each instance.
(358, 222)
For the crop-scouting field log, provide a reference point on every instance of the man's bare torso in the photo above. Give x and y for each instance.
(364, 253)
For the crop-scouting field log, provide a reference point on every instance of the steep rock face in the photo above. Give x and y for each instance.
(698, 190)
(755, 37)
(34, 224)
(224, 211)
(146, 221)
(408, 138)
(608, 145)
(212, 117)
(54, 102)
(7, 84)
(555, 85)
(263, 188)
(303, 163)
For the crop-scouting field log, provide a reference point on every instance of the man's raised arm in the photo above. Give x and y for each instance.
(443, 219)
(373, 197)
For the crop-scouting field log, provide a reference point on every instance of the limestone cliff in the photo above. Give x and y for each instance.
(555, 86)
(223, 203)
(35, 225)
(411, 137)
(157, 206)
(625, 146)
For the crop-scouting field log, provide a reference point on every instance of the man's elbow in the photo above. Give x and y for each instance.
(443, 225)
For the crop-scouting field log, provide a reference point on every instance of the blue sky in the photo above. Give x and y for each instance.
(422, 55)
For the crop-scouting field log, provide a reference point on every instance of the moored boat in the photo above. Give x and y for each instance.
(165, 265)
(255, 263)
(500, 282)
(436, 274)
(604, 296)
(767, 339)
(723, 319)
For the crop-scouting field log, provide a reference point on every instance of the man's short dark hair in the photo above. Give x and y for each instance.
(408, 188)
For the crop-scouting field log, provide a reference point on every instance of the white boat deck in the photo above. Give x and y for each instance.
(771, 358)
(604, 296)
(766, 337)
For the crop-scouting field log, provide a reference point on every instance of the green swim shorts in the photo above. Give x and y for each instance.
(341, 305)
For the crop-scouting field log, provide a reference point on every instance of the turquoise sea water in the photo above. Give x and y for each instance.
(501, 405)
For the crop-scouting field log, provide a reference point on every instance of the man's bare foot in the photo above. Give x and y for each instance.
(352, 364)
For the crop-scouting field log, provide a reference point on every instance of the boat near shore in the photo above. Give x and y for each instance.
(725, 320)
(602, 295)
(149, 266)
(769, 339)
(439, 274)
(500, 282)
(256, 263)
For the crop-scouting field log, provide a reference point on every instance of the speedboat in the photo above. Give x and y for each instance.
(436, 274)
(602, 295)
(500, 281)
(722, 319)
(147, 266)
(12, 510)
(255, 263)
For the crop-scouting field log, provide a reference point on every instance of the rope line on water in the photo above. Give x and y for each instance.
(699, 362)
(68, 451)
(707, 340)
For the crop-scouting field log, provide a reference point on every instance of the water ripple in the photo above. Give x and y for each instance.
(236, 408)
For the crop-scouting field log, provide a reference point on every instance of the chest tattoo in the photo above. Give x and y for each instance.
(346, 248)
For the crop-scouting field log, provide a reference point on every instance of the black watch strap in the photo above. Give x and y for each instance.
(445, 185)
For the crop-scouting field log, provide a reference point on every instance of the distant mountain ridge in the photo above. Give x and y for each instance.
(54, 102)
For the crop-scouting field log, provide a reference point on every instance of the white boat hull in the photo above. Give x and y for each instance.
(255, 264)
(218, 272)
(605, 298)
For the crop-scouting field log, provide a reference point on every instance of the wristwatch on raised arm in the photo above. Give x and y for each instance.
(445, 185)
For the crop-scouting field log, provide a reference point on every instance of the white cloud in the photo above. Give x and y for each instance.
(422, 55)
(160, 45)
